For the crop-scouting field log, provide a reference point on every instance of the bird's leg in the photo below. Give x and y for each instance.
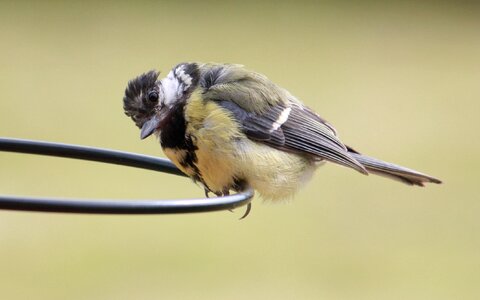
(226, 192)
(240, 186)
(207, 192)
(249, 205)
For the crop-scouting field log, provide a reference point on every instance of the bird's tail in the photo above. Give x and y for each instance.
(392, 171)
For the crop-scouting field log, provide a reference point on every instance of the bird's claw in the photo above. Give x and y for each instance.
(247, 212)
(227, 193)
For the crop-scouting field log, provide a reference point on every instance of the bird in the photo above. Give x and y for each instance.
(229, 128)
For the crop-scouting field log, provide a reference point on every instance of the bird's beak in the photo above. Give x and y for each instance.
(149, 127)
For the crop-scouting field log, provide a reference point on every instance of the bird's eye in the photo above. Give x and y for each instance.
(153, 96)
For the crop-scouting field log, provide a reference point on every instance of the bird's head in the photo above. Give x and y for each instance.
(148, 101)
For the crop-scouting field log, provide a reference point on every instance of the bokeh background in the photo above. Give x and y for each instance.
(399, 81)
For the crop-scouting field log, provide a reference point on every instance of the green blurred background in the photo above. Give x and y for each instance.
(399, 81)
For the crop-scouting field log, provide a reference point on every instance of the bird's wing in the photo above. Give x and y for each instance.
(269, 114)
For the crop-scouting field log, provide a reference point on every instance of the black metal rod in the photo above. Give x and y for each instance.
(124, 207)
(89, 153)
(110, 206)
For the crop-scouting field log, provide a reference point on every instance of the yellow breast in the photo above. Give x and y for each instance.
(225, 154)
(213, 131)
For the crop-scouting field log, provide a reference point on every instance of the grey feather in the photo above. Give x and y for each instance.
(393, 171)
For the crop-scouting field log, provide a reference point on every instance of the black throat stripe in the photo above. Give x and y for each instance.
(173, 132)
(173, 136)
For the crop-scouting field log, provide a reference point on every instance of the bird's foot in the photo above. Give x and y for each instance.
(227, 193)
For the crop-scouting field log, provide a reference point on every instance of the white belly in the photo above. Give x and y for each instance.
(274, 174)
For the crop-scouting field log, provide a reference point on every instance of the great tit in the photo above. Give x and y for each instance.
(227, 127)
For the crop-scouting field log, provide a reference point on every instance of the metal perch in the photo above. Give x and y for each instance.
(94, 206)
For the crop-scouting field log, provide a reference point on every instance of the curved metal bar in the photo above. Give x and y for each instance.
(125, 207)
(110, 206)
(89, 153)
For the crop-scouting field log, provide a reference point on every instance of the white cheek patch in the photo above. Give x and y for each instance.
(184, 78)
(171, 90)
(282, 118)
(175, 84)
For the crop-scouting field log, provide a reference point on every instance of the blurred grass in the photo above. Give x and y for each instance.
(399, 81)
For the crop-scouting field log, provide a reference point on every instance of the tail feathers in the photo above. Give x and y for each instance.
(392, 171)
